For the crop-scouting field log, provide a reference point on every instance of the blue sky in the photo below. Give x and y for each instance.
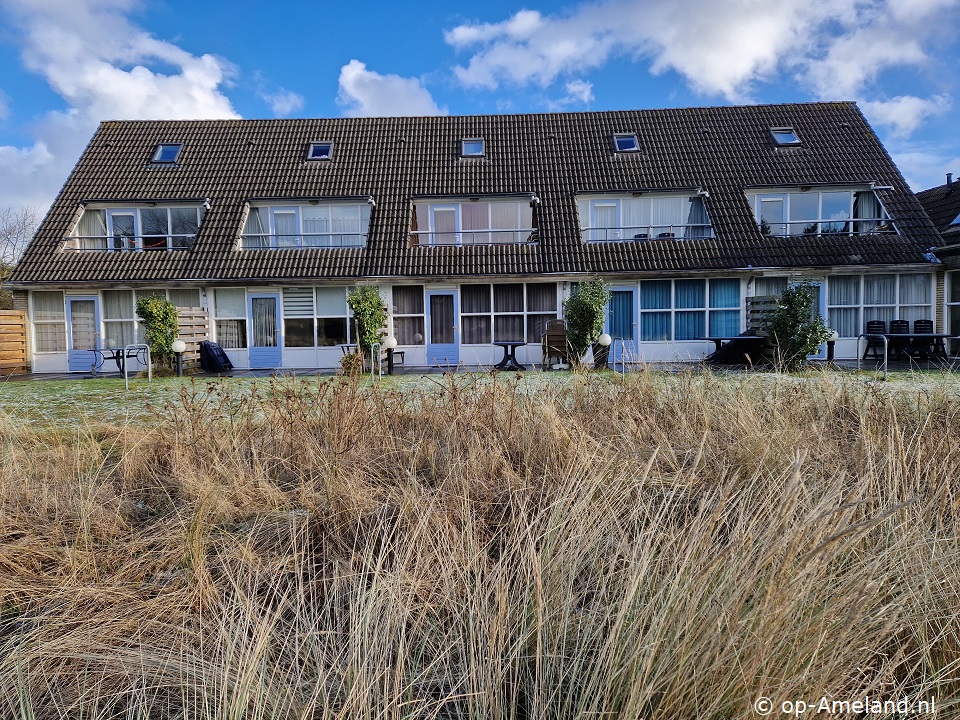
(66, 65)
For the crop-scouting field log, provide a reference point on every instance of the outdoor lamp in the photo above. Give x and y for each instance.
(179, 347)
(418, 338)
(390, 342)
(834, 336)
(604, 340)
(832, 344)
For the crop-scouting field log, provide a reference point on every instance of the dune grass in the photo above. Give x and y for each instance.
(656, 547)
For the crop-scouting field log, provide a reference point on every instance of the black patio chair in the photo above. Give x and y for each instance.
(927, 348)
(875, 327)
(898, 347)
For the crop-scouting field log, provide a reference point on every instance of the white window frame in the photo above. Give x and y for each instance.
(784, 132)
(757, 197)
(422, 314)
(217, 318)
(60, 323)
(301, 240)
(896, 306)
(673, 310)
(587, 205)
(466, 142)
(317, 145)
(631, 138)
(160, 151)
(493, 313)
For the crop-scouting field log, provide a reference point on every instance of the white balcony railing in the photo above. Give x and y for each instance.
(647, 232)
(475, 237)
(263, 241)
(856, 226)
(128, 243)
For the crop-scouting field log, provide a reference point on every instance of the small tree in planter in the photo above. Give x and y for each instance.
(369, 314)
(795, 328)
(159, 319)
(584, 312)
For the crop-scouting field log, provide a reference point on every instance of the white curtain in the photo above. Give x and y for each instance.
(636, 218)
(665, 215)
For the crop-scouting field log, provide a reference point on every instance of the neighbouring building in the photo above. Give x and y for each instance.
(474, 229)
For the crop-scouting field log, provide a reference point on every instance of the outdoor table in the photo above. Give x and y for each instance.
(119, 355)
(509, 361)
(718, 341)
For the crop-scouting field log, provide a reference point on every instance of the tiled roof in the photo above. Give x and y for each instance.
(943, 206)
(721, 149)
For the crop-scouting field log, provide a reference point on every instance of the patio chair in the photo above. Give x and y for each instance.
(899, 347)
(927, 348)
(554, 343)
(875, 327)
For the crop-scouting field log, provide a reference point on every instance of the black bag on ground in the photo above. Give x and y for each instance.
(213, 358)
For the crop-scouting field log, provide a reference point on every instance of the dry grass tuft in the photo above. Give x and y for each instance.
(660, 547)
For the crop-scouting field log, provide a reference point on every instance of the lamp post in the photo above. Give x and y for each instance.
(601, 351)
(390, 343)
(831, 342)
(179, 348)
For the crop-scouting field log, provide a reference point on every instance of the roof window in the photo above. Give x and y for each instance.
(956, 220)
(320, 151)
(167, 152)
(785, 136)
(472, 147)
(626, 142)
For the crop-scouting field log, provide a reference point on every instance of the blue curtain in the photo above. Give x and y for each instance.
(725, 293)
(654, 326)
(621, 314)
(655, 295)
(689, 325)
(724, 323)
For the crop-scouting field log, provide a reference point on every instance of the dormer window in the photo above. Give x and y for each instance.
(167, 153)
(626, 142)
(472, 147)
(785, 136)
(320, 151)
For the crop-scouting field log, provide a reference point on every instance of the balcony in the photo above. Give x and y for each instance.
(265, 241)
(860, 226)
(124, 243)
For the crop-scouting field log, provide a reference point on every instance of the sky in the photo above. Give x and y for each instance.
(66, 65)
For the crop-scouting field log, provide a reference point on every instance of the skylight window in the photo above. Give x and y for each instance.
(472, 147)
(626, 142)
(167, 152)
(320, 151)
(956, 220)
(785, 136)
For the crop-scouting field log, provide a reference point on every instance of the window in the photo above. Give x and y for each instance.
(313, 225)
(818, 212)
(408, 314)
(316, 317)
(230, 317)
(119, 328)
(852, 300)
(298, 317)
(166, 153)
(689, 309)
(785, 136)
(334, 324)
(476, 221)
(472, 147)
(643, 217)
(180, 297)
(956, 220)
(49, 321)
(320, 151)
(136, 229)
(626, 142)
(505, 312)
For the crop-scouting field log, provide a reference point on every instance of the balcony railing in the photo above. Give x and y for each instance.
(648, 232)
(857, 226)
(475, 237)
(126, 243)
(263, 241)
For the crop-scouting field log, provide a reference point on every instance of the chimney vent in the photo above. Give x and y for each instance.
(949, 179)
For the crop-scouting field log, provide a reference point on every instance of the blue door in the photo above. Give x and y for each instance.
(443, 342)
(266, 342)
(622, 323)
(83, 332)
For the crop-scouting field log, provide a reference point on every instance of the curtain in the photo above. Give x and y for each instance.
(408, 300)
(345, 223)
(264, 317)
(542, 297)
(914, 289)
(118, 305)
(621, 314)
(666, 214)
(766, 286)
(475, 216)
(229, 302)
(879, 289)
(843, 290)
(654, 326)
(506, 216)
(49, 321)
(93, 230)
(697, 220)
(655, 295)
(724, 323)
(232, 333)
(690, 294)
(255, 233)
(636, 218)
(689, 325)
(444, 226)
(583, 212)
(185, 297)
(331, 301)
(537, 326)
(866, 205)
(285, 228)
(606, 222)
(316, 225)
(475, 299)
(844, 320)
(48, 306)
(508, 298)
(725, 293)
(407, 329)
(508, 328)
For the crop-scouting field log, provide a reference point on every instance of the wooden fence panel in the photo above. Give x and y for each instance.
(194, 326)
(13, 342)
(759, 308)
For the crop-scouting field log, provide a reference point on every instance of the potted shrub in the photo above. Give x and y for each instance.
(585, 311)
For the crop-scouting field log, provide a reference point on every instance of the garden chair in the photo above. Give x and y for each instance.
(875, 327)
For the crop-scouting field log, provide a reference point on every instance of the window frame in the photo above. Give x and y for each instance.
(757, 197)
(632, 139)
(465, 142)
(492, 314)
(111, 241)
(217, 318)
(315, 145)
(396, 315)
(785, 136)
(683, 229)
(896, 308)
(268, 239)
(708, 312)
(59, 324)
(162, 148)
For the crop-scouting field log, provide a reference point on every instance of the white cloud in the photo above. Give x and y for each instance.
(904, 114)
(925, 167)
(721, 47)
(579, 91)
(4, 106)
(283, 103)
(367, 93)
(100, 63)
